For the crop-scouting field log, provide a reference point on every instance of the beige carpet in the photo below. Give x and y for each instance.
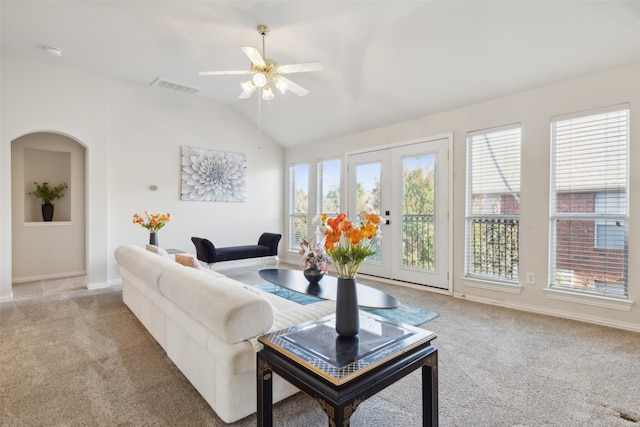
(80, 358)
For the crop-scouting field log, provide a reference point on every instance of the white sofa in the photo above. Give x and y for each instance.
(208, 324)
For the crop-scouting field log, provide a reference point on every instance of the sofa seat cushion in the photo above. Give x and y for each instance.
(222, 305)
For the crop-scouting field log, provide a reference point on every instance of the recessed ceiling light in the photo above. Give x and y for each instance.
(55, 51)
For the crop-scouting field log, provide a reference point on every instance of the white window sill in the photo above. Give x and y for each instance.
(589, 299)
(511, 288)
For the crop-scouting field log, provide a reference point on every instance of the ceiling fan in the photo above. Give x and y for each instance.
(267, 73)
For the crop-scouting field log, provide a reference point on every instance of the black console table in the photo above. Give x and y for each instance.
(342, 373)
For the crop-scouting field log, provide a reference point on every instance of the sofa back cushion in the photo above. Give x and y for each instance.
(221, 304)
(145, 265)
(158, 250)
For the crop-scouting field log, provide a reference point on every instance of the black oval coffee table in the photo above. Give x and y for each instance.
(326, 288)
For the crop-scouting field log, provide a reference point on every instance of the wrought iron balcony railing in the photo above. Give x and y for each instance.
(418, 238)
(494, 247)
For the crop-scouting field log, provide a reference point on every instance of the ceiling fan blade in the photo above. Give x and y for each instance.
(254, 56)
(284, 85)
(222, 73)
(300, 68)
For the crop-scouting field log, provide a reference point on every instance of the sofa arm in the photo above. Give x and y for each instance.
(221, 305)
(303, 313)
(270, 240)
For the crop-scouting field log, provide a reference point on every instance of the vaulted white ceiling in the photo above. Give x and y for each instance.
(385, 61)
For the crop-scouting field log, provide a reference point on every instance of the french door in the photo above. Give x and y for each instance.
(408, 186)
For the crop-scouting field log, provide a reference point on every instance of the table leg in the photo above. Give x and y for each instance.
(430, 391)
(265, 393)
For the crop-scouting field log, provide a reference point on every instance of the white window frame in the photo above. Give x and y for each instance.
(506, 175)
(294, 240)
(592, 171)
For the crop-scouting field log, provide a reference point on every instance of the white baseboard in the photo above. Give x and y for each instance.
(6, 298)
(550, 312)
(48, 276)
(108, 284)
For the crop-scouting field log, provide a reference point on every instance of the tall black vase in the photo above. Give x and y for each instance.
(153, 239)
(47, 211)
(347, 316)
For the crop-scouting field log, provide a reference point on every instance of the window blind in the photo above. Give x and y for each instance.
(298, 204)
(589, 202)
(493, 203)
(328, 181)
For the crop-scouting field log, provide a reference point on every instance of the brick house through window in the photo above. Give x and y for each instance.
(588, 202)
(583, 259)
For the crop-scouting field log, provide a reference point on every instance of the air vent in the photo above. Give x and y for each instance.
(165, 84)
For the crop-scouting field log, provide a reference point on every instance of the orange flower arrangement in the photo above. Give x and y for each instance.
(152, 222)
(347, 244)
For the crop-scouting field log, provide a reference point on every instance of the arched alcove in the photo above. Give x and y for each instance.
(45, 250)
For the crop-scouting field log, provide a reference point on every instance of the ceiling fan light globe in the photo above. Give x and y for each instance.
(259, 79)
(267, 93)
(282, 86)
(248, 87)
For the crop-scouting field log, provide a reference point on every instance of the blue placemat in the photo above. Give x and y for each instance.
(403, 314)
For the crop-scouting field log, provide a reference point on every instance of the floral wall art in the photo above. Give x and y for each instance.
(213, 176)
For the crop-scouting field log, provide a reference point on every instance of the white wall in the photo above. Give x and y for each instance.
(133, 136)
(37, 97)
(533, 110)
(148, 129)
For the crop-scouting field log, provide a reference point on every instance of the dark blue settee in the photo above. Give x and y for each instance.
(267, 246)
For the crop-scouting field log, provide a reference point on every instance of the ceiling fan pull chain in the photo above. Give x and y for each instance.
(260, 116)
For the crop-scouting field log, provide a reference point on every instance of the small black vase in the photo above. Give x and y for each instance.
(347, 315)
(313, 275)
(153, 239)
(47, 211)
